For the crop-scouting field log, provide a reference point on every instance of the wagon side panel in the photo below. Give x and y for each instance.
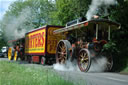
(35, 42)
(53, 39)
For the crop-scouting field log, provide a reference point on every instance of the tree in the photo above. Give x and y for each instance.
(67, 10)
(23, 16)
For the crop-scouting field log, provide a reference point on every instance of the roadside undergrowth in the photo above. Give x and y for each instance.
(17, 74)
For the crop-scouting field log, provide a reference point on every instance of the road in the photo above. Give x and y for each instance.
(95, 78)
(81, 78)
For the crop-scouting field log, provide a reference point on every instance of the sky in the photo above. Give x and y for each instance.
(4, 4)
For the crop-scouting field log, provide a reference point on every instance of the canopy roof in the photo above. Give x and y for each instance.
(88, 22)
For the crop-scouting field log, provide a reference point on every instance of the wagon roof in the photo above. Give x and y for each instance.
(85, 23)
(33, 30)
(11, 41)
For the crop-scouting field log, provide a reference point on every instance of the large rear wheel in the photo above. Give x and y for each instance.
(62, 51)
(109, 63)
(84, 61)
(10, 57)
(15, 55)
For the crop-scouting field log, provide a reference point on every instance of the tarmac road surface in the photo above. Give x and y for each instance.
(81, 78)
(3, 59)
(95, 78)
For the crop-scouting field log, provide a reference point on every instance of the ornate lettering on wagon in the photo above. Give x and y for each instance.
(36, 42)
(52, 40)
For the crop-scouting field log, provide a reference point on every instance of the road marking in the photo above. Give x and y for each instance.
(116, 79)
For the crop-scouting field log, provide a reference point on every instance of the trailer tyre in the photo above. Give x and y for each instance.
(43, 61)
(29, 59)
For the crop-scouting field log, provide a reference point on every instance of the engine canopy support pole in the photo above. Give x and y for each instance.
(109, 32)
(96, 31)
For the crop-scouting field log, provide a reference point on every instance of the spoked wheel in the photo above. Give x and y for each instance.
(16, 55)
(84, 61)
(43, 61)
(10, 54)
(62, 51)
(109, 63)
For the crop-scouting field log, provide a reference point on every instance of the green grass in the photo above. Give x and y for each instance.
(16, 74)
(125, 69)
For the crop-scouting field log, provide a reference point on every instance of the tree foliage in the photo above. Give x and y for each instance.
(67, 10)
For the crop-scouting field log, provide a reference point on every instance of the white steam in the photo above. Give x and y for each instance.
(98, 64)
(68, 66)
(95, 4)
(17, 26)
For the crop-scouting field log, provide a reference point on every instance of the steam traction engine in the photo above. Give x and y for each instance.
(84, 42)
(16, 49)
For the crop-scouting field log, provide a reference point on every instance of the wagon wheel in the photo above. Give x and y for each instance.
(62, 51)
(84, 61)
(21, 55)
(29, 59)
(109, 63)
(10, 53)
(16, 55)
(43, 60)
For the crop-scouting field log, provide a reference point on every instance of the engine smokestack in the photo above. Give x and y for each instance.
(96, 4)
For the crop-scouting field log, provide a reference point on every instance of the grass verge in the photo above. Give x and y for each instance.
(15, 74)
(125, 70)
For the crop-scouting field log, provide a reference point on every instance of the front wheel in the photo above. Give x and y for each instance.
(84, 60)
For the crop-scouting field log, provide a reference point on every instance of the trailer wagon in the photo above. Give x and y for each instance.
(39, 45)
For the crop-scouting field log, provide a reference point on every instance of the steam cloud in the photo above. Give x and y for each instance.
(16, 27)
(68, 66)
(95, 4)
(98, 64)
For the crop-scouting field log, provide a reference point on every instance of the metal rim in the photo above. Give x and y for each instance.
(15, 56)
(62, 51)
(84, 60)
(10, 53)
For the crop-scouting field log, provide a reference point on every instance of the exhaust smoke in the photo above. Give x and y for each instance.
(68, 66)
(96, 4)
(98, 64)
(17, 26)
